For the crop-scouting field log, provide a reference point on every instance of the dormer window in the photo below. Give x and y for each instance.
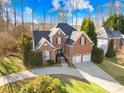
(59, 41)
(82, 41)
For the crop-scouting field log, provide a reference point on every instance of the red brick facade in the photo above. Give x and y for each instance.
(69, 51)
(78, 49)
(48, 47)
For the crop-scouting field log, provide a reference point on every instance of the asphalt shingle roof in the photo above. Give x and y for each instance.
(69, 41)
(39, 34)
(110, 33)
(67, 29)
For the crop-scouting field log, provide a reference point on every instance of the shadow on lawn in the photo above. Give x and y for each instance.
(66, 79)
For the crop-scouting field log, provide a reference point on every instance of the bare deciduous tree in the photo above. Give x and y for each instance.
(77, 1)
(15, 14)
(22, 11)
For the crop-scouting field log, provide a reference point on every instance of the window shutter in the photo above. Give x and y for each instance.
(61, 40)
(80, 41)
(56, 41)
(85, 41)
(50, 54)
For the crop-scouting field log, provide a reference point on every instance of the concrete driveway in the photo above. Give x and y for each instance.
(96, 75)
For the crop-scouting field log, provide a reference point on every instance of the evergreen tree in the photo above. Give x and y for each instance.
(89, 28)
(26, 46)
(111, 52)
(115, 22)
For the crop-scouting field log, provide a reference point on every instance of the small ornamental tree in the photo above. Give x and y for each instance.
(97, 55)
(43, 84)
(26, 46)
(111, 52)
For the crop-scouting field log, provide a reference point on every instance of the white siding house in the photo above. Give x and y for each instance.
(104, 35)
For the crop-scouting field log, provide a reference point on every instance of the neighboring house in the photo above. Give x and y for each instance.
(122, 39)
(104, 35)
(63, 41)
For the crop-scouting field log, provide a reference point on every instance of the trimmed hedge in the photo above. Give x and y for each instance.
(97, 55)
(50, 62)
(36, 58)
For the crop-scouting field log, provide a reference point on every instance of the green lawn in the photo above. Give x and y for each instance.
(15, 64)
(114, 69)
(9, 65)
(76, 85)
(83, 87)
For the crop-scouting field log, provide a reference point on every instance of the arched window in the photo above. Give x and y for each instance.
(59, 40)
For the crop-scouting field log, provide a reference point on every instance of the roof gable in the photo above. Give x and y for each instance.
(37, 35)
(75, 36)
(54, 31)
(42, 41)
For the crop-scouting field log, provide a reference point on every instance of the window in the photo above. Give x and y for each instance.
(82, 41)
(59, 32)
(59, 41)
(46, 55)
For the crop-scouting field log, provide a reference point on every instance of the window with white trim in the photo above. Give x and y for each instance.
(59, 32)
(59, 41)
(82, 41)
(46, 55)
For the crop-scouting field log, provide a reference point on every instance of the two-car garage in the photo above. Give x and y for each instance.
(81, 58)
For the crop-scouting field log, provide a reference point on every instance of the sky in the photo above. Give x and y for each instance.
(52, 7)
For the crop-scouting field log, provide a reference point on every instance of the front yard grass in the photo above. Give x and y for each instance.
(17, 65)
(9, 65)
(76, 85)
(113, 68)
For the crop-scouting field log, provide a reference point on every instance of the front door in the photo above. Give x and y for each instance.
(59, 55)
(59, 52)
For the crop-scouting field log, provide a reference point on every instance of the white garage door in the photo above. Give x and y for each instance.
(87, 57)
(76, 59)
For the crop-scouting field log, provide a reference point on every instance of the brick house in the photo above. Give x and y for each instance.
(63, 41)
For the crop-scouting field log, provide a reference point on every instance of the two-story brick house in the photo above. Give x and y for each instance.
(63, 41)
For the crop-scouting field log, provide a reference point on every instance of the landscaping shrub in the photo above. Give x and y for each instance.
(36, 58)
(97, 55)
(43, 84)
(50, 62)
(111, 51)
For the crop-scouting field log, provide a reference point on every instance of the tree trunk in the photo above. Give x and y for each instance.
(15, 15)
(22, 11)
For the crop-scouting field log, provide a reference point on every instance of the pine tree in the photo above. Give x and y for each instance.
(89, 28)
(111, 52)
